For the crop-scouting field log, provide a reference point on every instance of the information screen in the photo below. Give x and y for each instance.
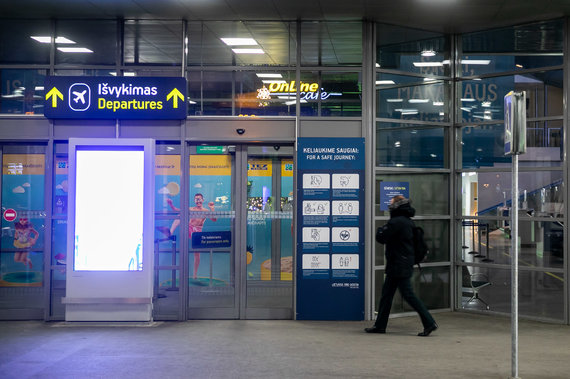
(109, 208)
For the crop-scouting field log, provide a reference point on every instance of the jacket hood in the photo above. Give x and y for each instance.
(402, 208)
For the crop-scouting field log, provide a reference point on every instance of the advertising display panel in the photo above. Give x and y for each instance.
(110, 229)
(330, 230)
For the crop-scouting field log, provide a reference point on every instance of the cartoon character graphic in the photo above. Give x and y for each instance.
(25, 237)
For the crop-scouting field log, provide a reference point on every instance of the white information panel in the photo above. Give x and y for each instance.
(316, 261)
(349, 181)
(110, 224)
(345, 262)
(316, 234)
(348, 235)
(316, 208)
(316, 181)
(345, 208)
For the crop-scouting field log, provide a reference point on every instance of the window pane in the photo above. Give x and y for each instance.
(331, 44)
(429, 192)
(331, 94)
(153, 42)
(431, 286)
(17, 45)
(240, 93)
(489, 193)
(415, 101)
(99, 38)
(483, 100)
(436, 236)
(274, 39)
(541, 294)
(411, 146)
(514, 48)
(22, 91)
(488, 241)
(412, 50)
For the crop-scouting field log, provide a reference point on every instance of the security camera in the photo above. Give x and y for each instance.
(240, 131)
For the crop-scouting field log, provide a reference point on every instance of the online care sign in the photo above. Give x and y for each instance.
(115, 97)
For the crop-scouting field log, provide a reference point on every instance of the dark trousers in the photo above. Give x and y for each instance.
(405, 286)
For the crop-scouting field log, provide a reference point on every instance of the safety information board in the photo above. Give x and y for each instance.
(330, 229)
(79, 97)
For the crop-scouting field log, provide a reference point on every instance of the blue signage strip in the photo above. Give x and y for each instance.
(330, 231)
(80, 97)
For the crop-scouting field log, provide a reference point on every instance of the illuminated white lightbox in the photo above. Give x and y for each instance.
(109, 209)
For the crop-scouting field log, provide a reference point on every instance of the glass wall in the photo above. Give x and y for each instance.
(492, 63)
(412, 154)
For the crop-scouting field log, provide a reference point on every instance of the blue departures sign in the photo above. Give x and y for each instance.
(330, 229)
(81, 97)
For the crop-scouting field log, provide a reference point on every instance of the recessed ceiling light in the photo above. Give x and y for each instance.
(248, 51)
(47, 39)
(380, 82)
(41, 39)
(418, 101)
(428, 53)
(428, 64)
(476, 61)
(74, 50)
(239, 41)
(438, 103)
(394, 100)
(264, 75)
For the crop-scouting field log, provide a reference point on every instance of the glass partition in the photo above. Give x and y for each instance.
(153, 42)
(94, 42)
(25, 41)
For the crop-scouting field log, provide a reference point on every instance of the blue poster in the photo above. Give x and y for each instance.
(390, 189)
(330, 231)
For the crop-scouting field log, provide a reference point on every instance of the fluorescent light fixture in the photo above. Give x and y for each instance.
(74, 50)
(294, 102)
(394, 100)
(263, 75)
(406, 110)
(47, 39)
(430, 79)
(433, 155)
(248, 51)
(409, 113)
(442, 113)
(399, 165)
(482, 62)
(113, 73)
(381, 82)
(274, 81)
(438, 103)
(377, 64)
(486, 104)
(519, 65)
(191, 102)
(467, 99)
(397, 144)
(418, 101)
(428, 64)
(239, 41)
(466, 109)
(63, 40)
(129, 74)
(41, 39)
(428, 53)
(285, 97)
(39, 88)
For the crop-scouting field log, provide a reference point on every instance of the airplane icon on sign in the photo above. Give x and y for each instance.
(79, 96)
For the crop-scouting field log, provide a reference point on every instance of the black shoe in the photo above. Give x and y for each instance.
(427, 331)
(374, 329)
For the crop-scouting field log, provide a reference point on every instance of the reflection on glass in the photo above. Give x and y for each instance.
(17, 46)
(275, 40)
(22, 91)
(410, 147)
(489, 193)
(97, 36)
(331, 44)
(428, 192)
(331, 94)
(414, 102)
(153, 42)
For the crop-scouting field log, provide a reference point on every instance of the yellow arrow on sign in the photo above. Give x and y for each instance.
(175, 95)
(54, 94)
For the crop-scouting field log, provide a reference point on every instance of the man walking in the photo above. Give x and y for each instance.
(397, 235)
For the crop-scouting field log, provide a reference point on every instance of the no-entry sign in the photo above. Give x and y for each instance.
(10, 214)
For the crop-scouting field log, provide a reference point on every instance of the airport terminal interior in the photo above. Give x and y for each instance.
(423, 95)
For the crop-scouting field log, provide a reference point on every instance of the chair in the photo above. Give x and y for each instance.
(474, 283)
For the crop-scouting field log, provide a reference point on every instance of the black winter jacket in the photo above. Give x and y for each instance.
(397, 235)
